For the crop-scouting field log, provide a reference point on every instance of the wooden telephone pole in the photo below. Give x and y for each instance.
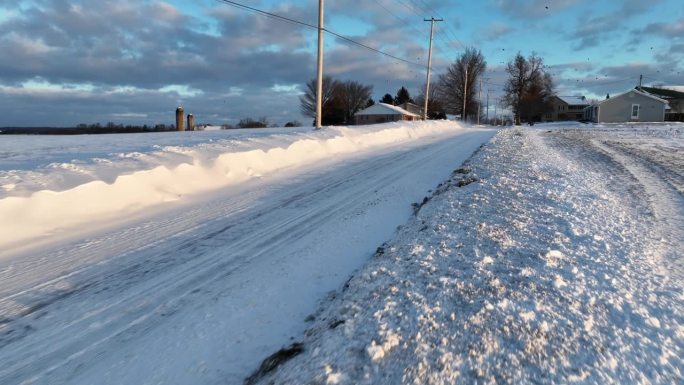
(319, 78)
(429, 67)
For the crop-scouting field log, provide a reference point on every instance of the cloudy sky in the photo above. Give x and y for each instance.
(77, 61)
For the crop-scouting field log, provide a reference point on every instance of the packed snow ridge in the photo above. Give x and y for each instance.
(541, 261)
(38, 211)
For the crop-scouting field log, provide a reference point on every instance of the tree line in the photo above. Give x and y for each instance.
(527, 92)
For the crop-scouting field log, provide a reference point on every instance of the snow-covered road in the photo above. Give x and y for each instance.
(201, 291)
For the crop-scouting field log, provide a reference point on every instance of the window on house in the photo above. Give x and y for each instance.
(635, 111)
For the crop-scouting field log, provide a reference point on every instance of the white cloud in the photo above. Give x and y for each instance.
(182, 90)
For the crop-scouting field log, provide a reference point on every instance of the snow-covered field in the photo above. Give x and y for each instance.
(560, 263)
(553, 256)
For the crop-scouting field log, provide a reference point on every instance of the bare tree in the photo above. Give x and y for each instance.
(352, 96)
(341, 100)
(251, 123)
(528, 88)
(308, 100)
(435, 107)
(461, 80)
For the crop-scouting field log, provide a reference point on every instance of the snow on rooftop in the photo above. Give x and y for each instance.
(648, 95)
(575, 100)
(674, 88)
(385, 109)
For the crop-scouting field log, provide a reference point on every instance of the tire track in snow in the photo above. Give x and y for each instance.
(664, 199)
(650, 186)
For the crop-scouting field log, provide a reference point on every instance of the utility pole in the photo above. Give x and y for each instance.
(465, 94)
(641, 78)
(319, 79)
(479, 102)
(429, 67)
(487, 121)
(496, 116)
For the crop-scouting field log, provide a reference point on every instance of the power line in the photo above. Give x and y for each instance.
(448, 44)
(401, 19)
(307, 25)
(429, 9)
(414, 8)
(268, 14)
(411, 9)
(371, 48)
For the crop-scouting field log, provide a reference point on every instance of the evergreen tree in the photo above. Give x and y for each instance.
(387, 99)
(402, 97)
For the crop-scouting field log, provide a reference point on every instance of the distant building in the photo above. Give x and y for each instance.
(412, 108)
(564, 108)
(180, 119)
(631, 106)
(382, 113)
(674, 98)
(191, 122)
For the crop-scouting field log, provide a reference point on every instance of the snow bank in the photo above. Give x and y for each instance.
(197, 169)
(545, 270)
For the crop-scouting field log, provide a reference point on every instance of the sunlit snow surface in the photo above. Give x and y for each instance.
(197, 290)
(553, 257)
(58, 184)
(562, 264)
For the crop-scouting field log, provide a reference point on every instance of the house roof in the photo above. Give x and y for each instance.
(635, 91)
(574, 100)
(663, 92)
(385, 109)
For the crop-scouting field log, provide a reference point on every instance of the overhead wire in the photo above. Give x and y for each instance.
(401, 19)
(307, 25)
(448, 32)
(413, 8)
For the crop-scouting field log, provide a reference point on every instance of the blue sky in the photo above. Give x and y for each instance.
(67, 62)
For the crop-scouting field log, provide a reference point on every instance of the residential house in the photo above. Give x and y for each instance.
(631, 106)
(564, 108)
(382, 113)
(674, 98)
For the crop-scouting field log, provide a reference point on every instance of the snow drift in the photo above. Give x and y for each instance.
(52, 211)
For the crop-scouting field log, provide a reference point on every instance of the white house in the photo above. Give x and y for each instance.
(382, 112)
(631, 106)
